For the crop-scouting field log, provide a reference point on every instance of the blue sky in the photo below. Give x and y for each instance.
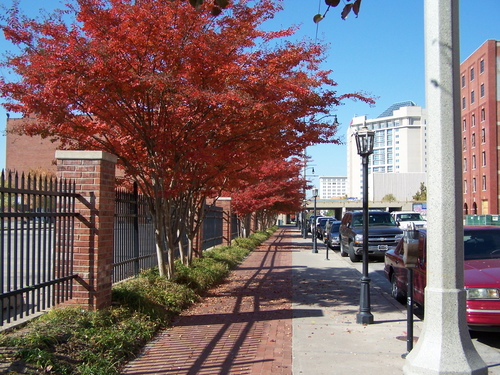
(381, 52)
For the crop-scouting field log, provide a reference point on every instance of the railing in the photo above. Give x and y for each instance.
(134, 240)
(37, 218)
(36, 245)
(212, 228)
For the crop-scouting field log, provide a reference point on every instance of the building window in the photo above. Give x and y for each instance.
(483, 135)
(483, 114)
(472, 74)
(465, 186)
(484, 182)
(464, 145)
(473, 120)
(472, 97)
(473, 161)
(474, 185)
(465, 164)
(463, 80)
(464, 103)
(482, 90)
(378, 157)
(464, 125)
(483, 158)
(481, 66)
(473, 140)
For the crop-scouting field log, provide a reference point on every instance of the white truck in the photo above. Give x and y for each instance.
(409, 219)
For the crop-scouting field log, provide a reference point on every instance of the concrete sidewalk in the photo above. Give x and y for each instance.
(326, 337)
(286, 310)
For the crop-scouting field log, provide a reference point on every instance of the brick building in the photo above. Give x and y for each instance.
(480, 103)
(25, 153)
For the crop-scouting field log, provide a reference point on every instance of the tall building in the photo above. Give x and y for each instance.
(331, 187)
(480, 103)
(398, 164)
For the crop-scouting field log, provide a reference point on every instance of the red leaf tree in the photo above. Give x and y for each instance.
(185, 101)
(276, 187)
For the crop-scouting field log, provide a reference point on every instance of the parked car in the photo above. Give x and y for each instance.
(409, 219)
(383, 234)
(332, 239)
(322, 225)
(481, 274)
(311, 222)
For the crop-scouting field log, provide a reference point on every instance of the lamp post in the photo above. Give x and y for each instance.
(304, 211)
(364, 143)
(315, 195)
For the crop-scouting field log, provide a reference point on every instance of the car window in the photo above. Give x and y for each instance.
(482, 245)
(357, 221)
(335, 227)
(375, 219)
(410, 217)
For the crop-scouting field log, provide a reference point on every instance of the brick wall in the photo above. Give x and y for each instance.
(94, 175)
(25, 153)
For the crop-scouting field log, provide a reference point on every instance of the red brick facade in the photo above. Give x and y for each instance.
(480, 103)
(25, 153)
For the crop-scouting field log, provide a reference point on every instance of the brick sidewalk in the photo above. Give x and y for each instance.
(241, 327)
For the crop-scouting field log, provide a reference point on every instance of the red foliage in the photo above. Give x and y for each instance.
(276, 187)
(182, 98)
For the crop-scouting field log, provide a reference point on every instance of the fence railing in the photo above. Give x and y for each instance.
(212, 228)
(36, 244)
(134, 237)
(37, 229)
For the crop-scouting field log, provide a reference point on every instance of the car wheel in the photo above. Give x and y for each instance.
(343, 253)
(396, 292)
(352, 255)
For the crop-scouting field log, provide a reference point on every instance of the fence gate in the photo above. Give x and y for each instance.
(36, 246)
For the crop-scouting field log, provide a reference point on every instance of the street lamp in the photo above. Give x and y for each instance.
(315, 195)
(364, 142)
(304, 212)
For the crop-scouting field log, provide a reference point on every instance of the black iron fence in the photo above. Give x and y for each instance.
(212, 227)
(36, 244)
(134, 238)
(134, 241)
(37, 216)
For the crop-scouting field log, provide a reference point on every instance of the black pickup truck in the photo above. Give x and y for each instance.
(383, 234)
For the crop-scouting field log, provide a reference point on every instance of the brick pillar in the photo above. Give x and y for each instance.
(94, 175)
(225, 203)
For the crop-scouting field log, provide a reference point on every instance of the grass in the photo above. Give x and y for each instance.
(72, 340)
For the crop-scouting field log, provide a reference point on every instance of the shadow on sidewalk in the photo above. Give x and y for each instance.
(242, 326)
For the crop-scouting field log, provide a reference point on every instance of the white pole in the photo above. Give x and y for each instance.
(445, 346)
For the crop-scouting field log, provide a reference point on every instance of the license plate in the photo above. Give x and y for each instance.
(383, 247)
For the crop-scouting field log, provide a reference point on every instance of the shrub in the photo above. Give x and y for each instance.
(203, 273)
(72, 340)
(227, 254)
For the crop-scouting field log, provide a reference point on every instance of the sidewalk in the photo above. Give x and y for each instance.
(245, 325)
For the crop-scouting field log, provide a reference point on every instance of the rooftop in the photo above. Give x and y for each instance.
(389, 111)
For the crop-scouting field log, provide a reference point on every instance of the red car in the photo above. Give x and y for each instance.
(481, 274)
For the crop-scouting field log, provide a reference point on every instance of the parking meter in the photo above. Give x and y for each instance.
(410, 247)
(410, 256)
